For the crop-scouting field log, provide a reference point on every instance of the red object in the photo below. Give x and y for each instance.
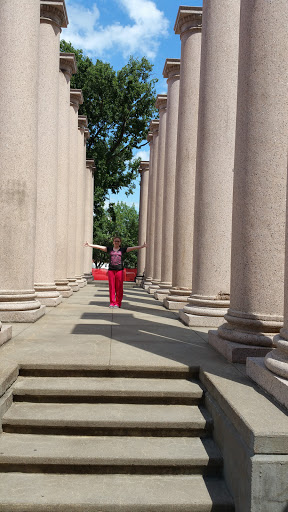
(101, 274)
(115, 278)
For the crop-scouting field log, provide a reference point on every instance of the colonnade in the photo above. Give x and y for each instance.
(46, 183)
(223, 185)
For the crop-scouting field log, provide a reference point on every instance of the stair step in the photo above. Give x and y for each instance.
(113, 493)
(106, 419)
(106, 389)
(60, 370)
(37, 453)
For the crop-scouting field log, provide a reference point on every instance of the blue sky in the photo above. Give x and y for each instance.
(112, 30)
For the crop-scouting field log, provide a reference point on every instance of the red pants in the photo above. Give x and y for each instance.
(115, 278)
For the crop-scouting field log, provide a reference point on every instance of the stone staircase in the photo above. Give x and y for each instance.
(106, 441)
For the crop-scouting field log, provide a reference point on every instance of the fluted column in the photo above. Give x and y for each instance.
(172, 73)
(52, 18)
(210, 296)
(19, 41)
(67, 68)
(161, 104)
(148, 265)
(154, 129)
(259, 193)
(76, 99)
(80, 201)
(89, 209)
(188, 25)
(142, 231)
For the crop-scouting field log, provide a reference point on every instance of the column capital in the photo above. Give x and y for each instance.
(67, 63)
(149, 137)
(188, 18)
(86, 134)
(144, 166)
(171, 68)
(90, 164)
(161, 101)
(82, 122)
(76, 97)
(54, 11)
(154, 126)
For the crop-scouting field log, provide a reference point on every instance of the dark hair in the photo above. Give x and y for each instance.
(114, 237)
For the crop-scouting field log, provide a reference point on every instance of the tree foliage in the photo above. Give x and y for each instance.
(119, 106)
(117, 220)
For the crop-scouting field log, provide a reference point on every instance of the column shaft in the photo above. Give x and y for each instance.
(148, 265)
(142, 232)
(19, 40)
(80, 202)
(89, 209)
(188, 25)
(258, 227)
(214, 168)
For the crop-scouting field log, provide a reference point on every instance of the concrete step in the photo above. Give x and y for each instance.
(107, 389)
(93, 370)
(106, 419)
(112, 493)
(64, 454)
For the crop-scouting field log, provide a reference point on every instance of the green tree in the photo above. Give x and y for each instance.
(119, 106)
(117, 220)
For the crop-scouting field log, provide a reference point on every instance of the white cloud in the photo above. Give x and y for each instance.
(144, 155)
(140, 37)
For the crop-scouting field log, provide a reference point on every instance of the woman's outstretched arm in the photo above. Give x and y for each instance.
(101, 247)
(136, 247)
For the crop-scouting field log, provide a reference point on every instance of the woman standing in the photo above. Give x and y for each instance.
(115, 272)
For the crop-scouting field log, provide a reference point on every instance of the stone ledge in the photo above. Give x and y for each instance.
(199, 320)
(28, 316)
(271, 383)
(235, 352)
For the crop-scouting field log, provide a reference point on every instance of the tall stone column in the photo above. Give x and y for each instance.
(148, 264)
(172, 73)
(76, 99)
(259, 193)
(154, 129)
(80, 202)
(67, 68)
(142, 232)
(89, 210)
(161, 104)
(19, 40)
(188, 25)
(209, 300)
(53, 16)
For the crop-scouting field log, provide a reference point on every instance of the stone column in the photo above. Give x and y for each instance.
(19, 40)
(67, 68)
(154, 128)
(172, 73)
(89, 209)
(80, 202)
(188, 25)
(142, 232)
(53, 16)
(259, 193)
(161, 104)
(214, 168)
(148, 263)
(76, 99)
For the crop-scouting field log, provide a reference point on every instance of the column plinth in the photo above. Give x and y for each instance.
(89, 209)
(188, 26)
(142, 233)
(52, 18)
(68, 67)
(172, 73)
(19, 40)
(260, 176)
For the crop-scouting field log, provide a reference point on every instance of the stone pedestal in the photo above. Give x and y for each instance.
(89, 209)
(76, 99)
(259, 192)
(142, 233)
(188, 25)
(19, 40)
(210, 296)
(53, 16)
(67, 68)
(154, 129)
(161, 104)
(172, 73)
(80, 202)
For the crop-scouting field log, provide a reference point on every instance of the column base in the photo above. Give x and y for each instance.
(81, 283)
(205, 311)
(235, 352)
(152, 288)
(50, 302)
(64, 289)
(162, 292)
(47, 294)
(177, 298)
(5, 333)
(73, 285)
(200, 320)
(147, 283)
(89, 278)
(27, 316)
(271, 383)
